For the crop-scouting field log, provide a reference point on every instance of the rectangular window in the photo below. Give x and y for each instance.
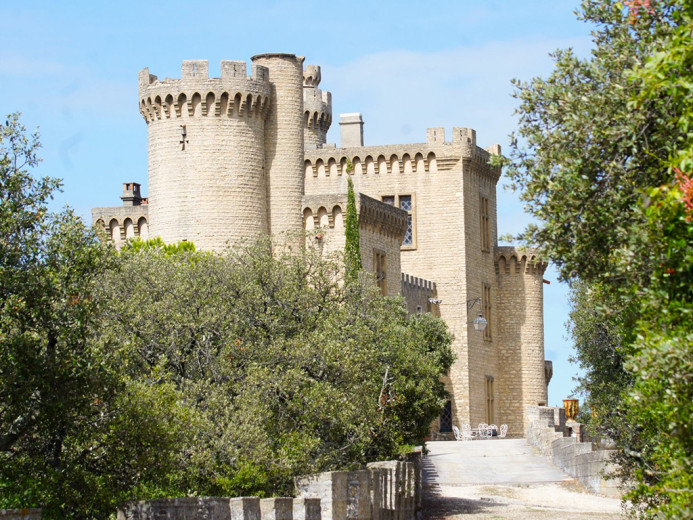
(406, 203)
(486, 309)
(490, 419)
(380, 269)
(485, 230)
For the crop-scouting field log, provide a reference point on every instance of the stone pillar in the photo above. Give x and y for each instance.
(277, 508)
(415, 458)
(307, 509)
(344, 495)
(245, 508)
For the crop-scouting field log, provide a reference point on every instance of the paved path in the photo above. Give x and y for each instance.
(504, 478)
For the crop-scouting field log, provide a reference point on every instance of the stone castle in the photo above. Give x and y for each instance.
(243, 155)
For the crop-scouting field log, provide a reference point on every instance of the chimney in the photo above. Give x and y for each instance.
(131, 194)
(352, 130)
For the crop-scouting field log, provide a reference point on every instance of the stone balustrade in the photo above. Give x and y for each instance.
(563, 442)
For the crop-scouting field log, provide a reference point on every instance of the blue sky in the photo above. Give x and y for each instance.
(71, 68)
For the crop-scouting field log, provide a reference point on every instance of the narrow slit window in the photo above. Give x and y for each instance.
(380, 269)
(485, 230)
(487, 309)
(490, 419)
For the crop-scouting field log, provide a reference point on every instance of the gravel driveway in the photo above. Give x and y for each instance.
(504, 478)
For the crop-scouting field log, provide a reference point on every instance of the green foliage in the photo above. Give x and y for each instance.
(582, 154)
(603, 138)
(76, 437)
(283, 368)
(352, 247)
(136, 245)
(601, 327)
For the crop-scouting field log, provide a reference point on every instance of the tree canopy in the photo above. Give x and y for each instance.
(603, 159)
(289, 371)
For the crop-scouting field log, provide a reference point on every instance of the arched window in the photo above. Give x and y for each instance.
(114, 232)
(143, 227)
(308, 222)
(129, 229)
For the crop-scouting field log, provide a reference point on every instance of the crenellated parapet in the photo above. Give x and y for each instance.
(317, 108)
(374, 160)
(195, 94)
(380, 217)
(419, 284)
(418, 294)
(327, 211)
(324, 211)
(511, 260)
(436, 155)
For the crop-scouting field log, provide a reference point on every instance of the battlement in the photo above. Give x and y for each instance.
(515, 260)
(234, 94)
(387, 219)
(316, 99)
(461, 136)
(412, 282)
(311, 76)
(436, 155)
(317, 109)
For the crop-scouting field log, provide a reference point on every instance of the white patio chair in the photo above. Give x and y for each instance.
(484, 432)
(503, 431)
(467, 433)
(456, 433)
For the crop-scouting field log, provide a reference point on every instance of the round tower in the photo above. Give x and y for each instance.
(206, 153)
(317, 109)
(520, 319)
(284, 141)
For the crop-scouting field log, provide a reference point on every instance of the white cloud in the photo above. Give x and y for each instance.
(402, 91)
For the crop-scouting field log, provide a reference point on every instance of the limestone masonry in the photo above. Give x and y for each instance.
(246, 154)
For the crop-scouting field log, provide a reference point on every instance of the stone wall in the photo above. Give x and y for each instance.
(390, 490)
(218, 508)
(419, 294)
(20, 514)
(562, 442)
(381, 228)
(122, 222)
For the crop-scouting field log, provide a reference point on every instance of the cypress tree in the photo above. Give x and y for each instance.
(352, 250)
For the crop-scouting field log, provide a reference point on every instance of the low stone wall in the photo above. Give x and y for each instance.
(218, 508)
(390, 490)
(20, 514)
(562, 442)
